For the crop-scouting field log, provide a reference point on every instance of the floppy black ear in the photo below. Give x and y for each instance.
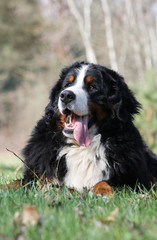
(120, 96)
(51, 110)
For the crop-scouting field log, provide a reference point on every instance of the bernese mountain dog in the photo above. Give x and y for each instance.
(87, 134)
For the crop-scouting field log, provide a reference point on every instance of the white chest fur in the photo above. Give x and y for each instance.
(86, 165)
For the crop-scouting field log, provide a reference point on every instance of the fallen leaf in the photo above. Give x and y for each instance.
(17, 218)
(30, 215)
(99, 224)
(78, 211)
(20, 236)
(99, 208)
(110, 218)
(16, 184)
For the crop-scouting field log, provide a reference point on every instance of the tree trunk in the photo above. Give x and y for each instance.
(84, 24)
(109, 35)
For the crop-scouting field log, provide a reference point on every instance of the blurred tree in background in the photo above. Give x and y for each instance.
(39, 37)
(147, 120)
(20, 42)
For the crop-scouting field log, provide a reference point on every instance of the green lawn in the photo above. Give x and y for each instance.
(64, 215)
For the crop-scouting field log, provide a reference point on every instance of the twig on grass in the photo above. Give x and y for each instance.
(17, 169)
(23, 163)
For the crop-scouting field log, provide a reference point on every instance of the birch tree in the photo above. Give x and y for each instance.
(84, 24)
(144, 36)
(109, 34)
(153, 42)
(135, 44)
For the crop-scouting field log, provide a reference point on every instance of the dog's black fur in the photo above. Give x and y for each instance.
(130, 160)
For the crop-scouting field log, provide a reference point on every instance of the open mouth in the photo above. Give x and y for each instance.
(78, 127)
(70, 121)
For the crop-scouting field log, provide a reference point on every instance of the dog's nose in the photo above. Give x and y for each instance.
(67, 96)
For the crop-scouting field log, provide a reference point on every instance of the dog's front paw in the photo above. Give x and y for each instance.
(102, 188)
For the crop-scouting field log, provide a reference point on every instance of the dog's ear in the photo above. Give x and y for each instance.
(120, 96)
(51, 110)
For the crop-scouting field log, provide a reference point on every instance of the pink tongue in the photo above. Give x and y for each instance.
(81, 131)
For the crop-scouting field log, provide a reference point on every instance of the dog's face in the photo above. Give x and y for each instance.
(88, 94)
(78, 88)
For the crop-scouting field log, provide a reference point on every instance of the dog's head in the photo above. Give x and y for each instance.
(88, 94)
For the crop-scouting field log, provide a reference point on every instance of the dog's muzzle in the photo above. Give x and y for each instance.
(76, 125)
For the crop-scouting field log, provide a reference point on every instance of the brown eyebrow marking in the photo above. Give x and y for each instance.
(71, 78)
(89, 79)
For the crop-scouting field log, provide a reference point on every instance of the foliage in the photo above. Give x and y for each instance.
(146, 121)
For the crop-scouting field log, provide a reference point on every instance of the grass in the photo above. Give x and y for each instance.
(65, 215)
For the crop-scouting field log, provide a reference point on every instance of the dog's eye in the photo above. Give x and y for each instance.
(67, 84)
(91, 87)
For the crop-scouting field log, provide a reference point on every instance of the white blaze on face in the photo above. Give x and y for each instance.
(80, 104)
